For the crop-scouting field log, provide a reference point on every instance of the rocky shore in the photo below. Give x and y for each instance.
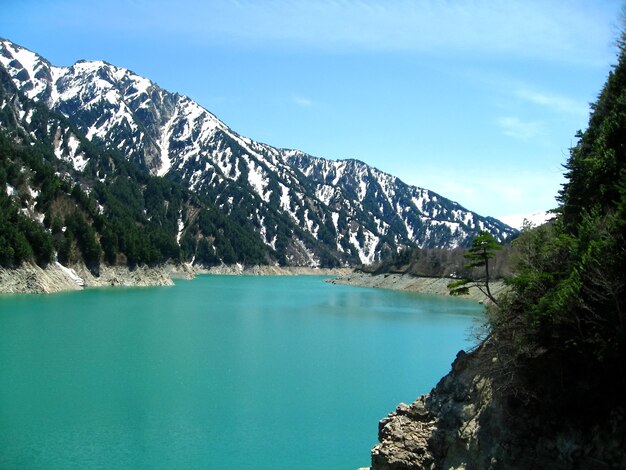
(408, 282)
(457, 425)
(32, 279)
(473, 420)
(239, 270)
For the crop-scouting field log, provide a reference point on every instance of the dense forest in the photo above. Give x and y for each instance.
(567, 309)
(560, 332)
(111, 211)
(546, 386)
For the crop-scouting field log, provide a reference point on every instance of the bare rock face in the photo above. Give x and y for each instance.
(472, 420)
(32, 279)
(441, 429)
(122, 276)
(403, 437)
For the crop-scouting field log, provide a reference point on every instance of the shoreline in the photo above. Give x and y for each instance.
(259, 270)
(411, 283)
(32, 279)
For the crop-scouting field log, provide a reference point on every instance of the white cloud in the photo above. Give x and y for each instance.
(577, 31)
(518, 129)
(539, 28)
(499, 190)
(302, 101)
(554, 102)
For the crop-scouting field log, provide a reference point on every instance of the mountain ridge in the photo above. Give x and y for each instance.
(282, 194)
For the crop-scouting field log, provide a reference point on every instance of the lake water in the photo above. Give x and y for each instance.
(218, 372)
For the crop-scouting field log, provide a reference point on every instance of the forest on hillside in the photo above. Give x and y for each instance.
(560, 332)
(110, 212)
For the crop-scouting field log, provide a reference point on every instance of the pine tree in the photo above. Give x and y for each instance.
(482, 250)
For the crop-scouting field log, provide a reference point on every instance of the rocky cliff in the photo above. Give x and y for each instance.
(475, 419)
(32, 279)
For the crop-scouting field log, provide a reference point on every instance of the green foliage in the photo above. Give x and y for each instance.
(571, 280)
(596, 168)
(482, 250)
(460, 287)
(130, 217)
(21, 238)
(565, 320)
(570, 289)
(80, 230)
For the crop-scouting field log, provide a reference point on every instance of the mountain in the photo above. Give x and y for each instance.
(535, 218)
(60, 193)
(305, 210)
(546, 387)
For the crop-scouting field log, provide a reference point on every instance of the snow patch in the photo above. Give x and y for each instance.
(362, 189)
(31, 62)
(284, 197)
(311, 226)
(181, 226)
(72, 144)
(69, 272)
(325, 193)
(517, 220)
(256, 179)
(164, 145)
(79, 162)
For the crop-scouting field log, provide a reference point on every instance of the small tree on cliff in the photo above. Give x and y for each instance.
(482, 250)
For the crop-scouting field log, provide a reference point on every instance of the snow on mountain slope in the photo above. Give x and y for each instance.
(310, 210)
(535, 218)
(387, 205)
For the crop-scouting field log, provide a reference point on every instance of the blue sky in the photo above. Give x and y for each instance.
(477, 100)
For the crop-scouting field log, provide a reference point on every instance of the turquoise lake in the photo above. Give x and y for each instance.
(220, 372)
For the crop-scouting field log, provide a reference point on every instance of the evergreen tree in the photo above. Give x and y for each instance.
(482, 250)
(567, 308)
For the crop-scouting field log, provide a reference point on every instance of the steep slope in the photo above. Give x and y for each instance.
(468, 422)
(61, 194)
(308, 210)
(386, 205)
(547, 386)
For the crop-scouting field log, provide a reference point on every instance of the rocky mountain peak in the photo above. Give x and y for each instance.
(309, 209)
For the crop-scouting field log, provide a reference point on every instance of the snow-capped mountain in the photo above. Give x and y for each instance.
(54, 206)
(385, 204)
(308, 210)
(534, 218)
